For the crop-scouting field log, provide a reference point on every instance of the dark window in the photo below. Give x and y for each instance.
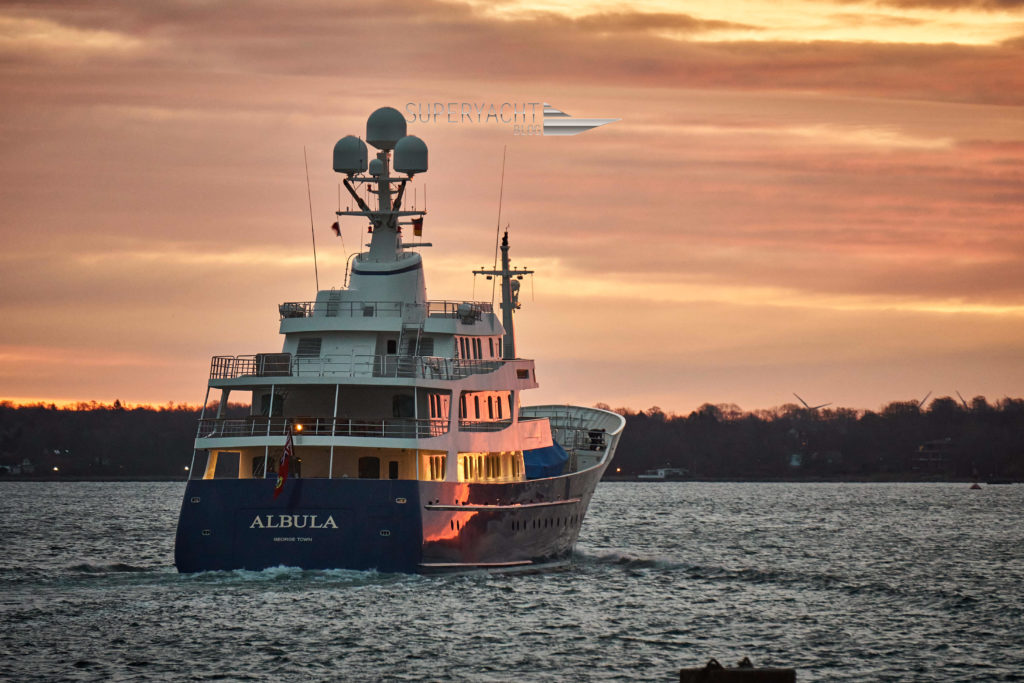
(227, 465)
(426, 346)
(392, 347)
(476, 406)
(490, 342)
(392, 469)
(369, 468)
(522, 374)
(402, 406)
(490, 407)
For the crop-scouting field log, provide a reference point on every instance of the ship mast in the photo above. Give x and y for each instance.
(385, 130)
(510, 278)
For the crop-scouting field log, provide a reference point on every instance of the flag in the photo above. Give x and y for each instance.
(417, 226)
(282, 468)
(336, 228)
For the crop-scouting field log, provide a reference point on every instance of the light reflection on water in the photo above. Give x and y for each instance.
(901, 582)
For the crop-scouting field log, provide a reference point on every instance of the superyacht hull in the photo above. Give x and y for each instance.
(387, 525)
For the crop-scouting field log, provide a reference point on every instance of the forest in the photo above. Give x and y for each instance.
(946, 439)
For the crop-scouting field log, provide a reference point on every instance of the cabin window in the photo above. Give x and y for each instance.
(478, 348)
(522, 374)
(402, 406)
(499, 348)
(476, 405)
(490, 407)
(309, 347)
(490, 344)
(499, 407)
(392, 347)
(462, 406)
(392, 469)
(278, 405)
(426, 347)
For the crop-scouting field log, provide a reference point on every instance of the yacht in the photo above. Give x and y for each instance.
(389, 432)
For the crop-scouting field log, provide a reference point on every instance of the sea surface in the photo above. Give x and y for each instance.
(844, 582)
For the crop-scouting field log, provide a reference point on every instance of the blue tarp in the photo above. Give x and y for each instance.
(545, 462)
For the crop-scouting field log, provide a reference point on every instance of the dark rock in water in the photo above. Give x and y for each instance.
(745, 672)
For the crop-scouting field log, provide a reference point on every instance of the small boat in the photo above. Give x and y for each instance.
(389, 431)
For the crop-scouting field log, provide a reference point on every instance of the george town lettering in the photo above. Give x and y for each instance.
(292, 522)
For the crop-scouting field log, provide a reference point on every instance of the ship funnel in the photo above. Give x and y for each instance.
(350, 155)
(385, 127)
(410, 155)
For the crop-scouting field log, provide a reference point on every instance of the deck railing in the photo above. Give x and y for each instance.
(388, 428)
(483, 425)
(382, 309)
(355, 365)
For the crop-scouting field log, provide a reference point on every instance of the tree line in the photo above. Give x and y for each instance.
(942, 440)
(946, 439)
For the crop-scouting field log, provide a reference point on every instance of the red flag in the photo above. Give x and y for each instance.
(282, 468)
(336, 228)
(417, 226)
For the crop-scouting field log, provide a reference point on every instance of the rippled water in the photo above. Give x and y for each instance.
(886, 582)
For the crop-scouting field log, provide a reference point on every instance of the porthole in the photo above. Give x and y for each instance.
(385, 532)
(206, 532)
(195, 499)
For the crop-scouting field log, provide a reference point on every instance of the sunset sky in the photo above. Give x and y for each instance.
(816, 197)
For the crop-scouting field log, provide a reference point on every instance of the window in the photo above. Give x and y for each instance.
(490, 407)
(392, 469)
(499, 407)
(462, 406)
(490, 343)
(392, 347)
(522, 374)
(478, 348)
(426, 346)
(476, 405)
(309, 347)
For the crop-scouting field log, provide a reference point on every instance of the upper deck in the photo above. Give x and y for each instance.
(334, 312)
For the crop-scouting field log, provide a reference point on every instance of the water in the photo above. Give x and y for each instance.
(881, 582)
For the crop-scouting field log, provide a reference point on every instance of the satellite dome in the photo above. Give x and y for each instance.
(376, 167)
(410, 155)
(350, 155)
(385, 127)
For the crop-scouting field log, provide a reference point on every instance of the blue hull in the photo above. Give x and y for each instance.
(388, 525)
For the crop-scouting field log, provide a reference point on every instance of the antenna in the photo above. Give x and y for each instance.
(920, 404)
(309, 195)
(963, 401)
(497, 228)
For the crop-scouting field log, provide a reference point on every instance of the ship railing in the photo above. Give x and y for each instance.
(573, 436)
(354, 365)
(339, 309)
(329, 308)
(388, 428)
(484, 425)
(458, 309)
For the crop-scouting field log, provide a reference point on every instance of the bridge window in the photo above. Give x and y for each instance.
(490, 343)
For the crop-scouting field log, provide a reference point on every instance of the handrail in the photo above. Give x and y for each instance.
(355, 365)
(331, 308)
(258, 425)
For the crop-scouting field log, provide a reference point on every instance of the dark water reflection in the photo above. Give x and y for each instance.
(886, 582)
